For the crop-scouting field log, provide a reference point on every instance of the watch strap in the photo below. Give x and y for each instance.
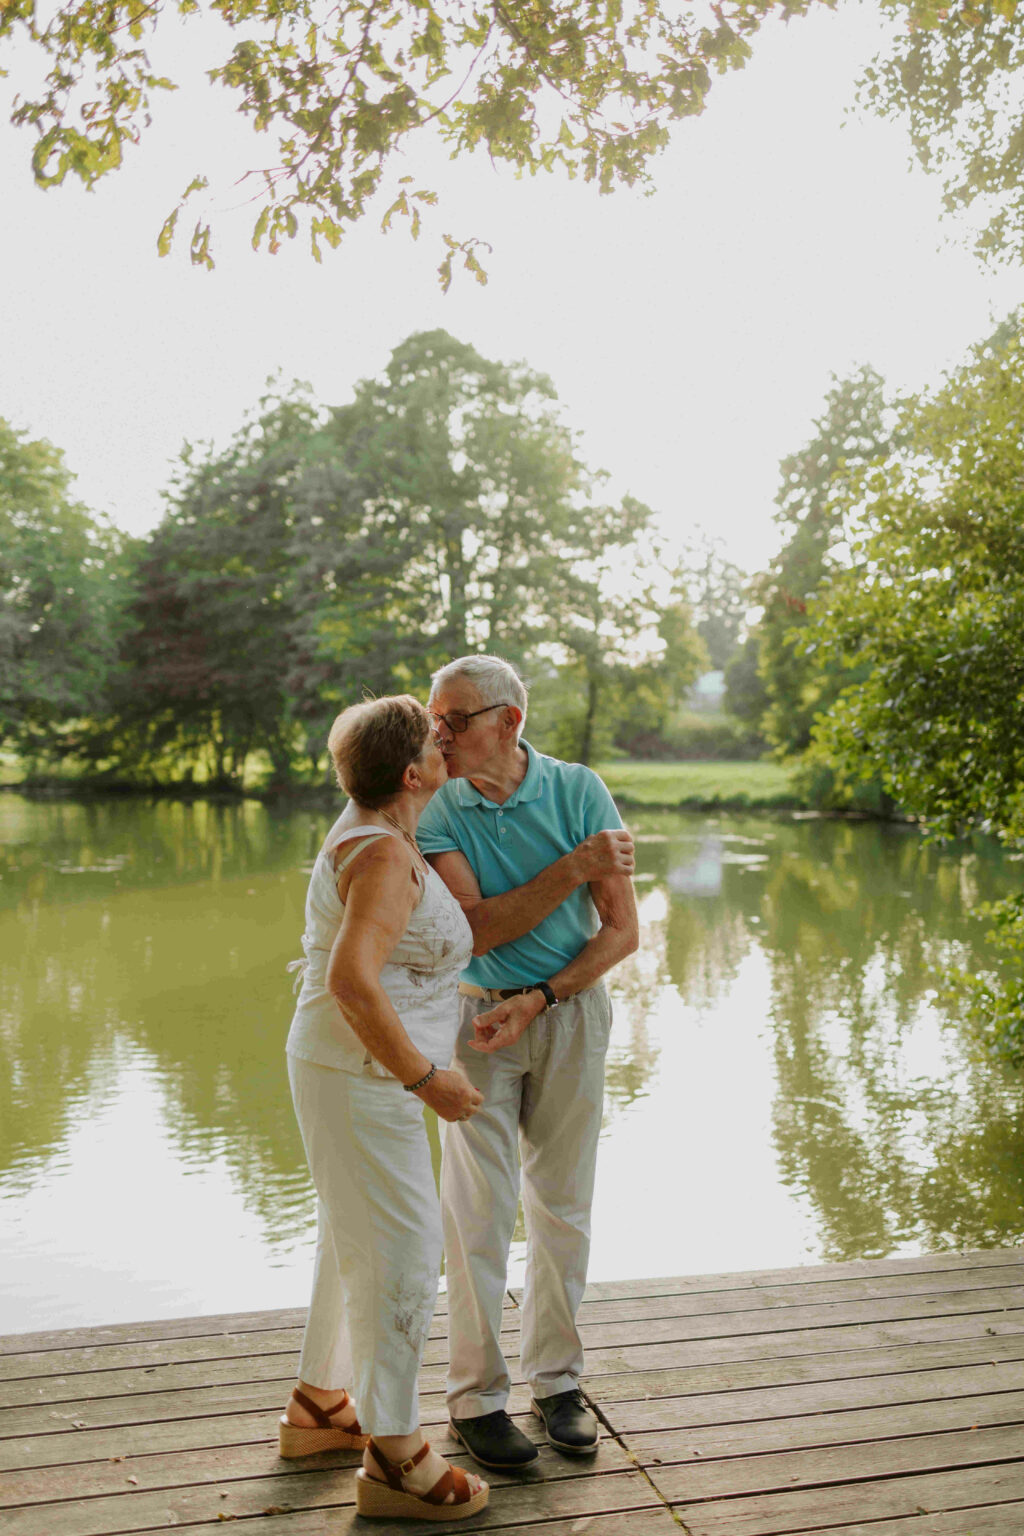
(544, 987)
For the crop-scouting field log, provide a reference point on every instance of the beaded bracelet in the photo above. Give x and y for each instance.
(412, 1087)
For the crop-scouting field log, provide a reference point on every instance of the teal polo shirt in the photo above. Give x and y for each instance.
(555, 807)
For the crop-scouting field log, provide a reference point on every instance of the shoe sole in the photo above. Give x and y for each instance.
(297, 1440)
(492, 1466)
(560, 1445)
(378, 1501)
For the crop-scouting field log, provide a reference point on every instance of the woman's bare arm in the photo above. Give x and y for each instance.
(379, 901)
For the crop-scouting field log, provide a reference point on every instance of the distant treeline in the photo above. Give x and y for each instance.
(327, 552)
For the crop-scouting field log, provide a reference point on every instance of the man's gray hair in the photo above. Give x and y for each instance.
(495, 680)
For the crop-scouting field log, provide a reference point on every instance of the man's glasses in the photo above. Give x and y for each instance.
(457, 721)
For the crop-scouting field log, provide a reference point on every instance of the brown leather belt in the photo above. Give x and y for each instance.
(492, 994)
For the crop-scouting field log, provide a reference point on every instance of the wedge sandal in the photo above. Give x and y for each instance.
(308, 1439)
(391, 1500)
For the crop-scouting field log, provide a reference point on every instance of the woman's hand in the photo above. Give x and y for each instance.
(451, 1095)
(508, 1020)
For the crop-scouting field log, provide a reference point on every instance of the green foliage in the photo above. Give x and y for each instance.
(994, 998)
(205, 661)
(61, 597)
(698, 736)
(746, 697)
(953, 74)
(325, 553)
(930, 608)
(588, 89)
(929, 617)
(626, 653)
(719, 594)
(814, 506)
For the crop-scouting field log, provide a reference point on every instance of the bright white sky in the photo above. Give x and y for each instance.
(691, 335)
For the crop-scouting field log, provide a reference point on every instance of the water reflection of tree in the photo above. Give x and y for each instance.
(712, 876)
(636, 985)
(857, 925)
(172, 935)
(166, 928)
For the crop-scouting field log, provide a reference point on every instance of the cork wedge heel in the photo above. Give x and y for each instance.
(309, 1439)
(389, 1499)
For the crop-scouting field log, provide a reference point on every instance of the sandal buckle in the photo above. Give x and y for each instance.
(405, 1467)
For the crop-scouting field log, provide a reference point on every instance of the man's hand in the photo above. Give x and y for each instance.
(602, 854)
(505, 1023)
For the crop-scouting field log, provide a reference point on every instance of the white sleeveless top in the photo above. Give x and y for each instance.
(420, 977)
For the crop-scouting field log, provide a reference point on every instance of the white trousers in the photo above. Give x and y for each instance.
(378, 1252)
(543, 1099)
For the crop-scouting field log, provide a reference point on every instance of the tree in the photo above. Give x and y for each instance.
(929, 617)
(207, 658)
(61, 596)
(590, 89)
(611, 676)
(326, 552)
(718, 594)
(472, 513)
(745, 694)
(813, 507)
(953, 73)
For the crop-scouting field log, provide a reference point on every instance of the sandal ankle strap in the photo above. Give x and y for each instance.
(321, 1415)
(395, 1470)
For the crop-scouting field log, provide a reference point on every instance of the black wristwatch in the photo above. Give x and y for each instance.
(550, 1000)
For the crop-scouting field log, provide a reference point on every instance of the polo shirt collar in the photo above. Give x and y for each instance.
(529, 789)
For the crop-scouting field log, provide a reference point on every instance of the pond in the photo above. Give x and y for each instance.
(786, 1084)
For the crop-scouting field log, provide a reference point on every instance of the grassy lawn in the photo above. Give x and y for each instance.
(698, 785)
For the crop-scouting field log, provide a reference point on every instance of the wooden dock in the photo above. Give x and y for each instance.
(862, 1399)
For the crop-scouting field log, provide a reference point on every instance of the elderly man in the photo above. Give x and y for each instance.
(535, 852)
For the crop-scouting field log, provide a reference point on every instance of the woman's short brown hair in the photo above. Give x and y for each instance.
(372, 744)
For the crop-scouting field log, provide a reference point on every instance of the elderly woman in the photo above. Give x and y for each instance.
(373, 1033)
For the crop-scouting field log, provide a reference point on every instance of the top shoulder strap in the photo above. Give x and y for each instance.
(357, 837)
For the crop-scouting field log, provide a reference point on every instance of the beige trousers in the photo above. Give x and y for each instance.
(543, 1100)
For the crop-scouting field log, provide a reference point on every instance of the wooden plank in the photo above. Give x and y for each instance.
(811, 1293)
(44, 1485)
(814, 1341)
(652, 1521)
(226, 1422)
(822, 1509)
(512, 1503)
(992, 1520)
(170, 1328)
(189, 1400)
(667, 1285)
(223, 1346)
(673, 1343)
(229, 1344)
(860, 1273)
(160, 1328)
(838, 1464)
(792, 1401)
(196, 1374)
(841, 1352)
(190, 1377)
(607, 1381)
(991, 1305)
(664, 1446)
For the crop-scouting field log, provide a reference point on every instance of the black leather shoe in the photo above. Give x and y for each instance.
(494, 1441)
(570, 1425)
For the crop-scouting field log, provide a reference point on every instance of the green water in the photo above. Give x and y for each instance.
(785, 1085)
